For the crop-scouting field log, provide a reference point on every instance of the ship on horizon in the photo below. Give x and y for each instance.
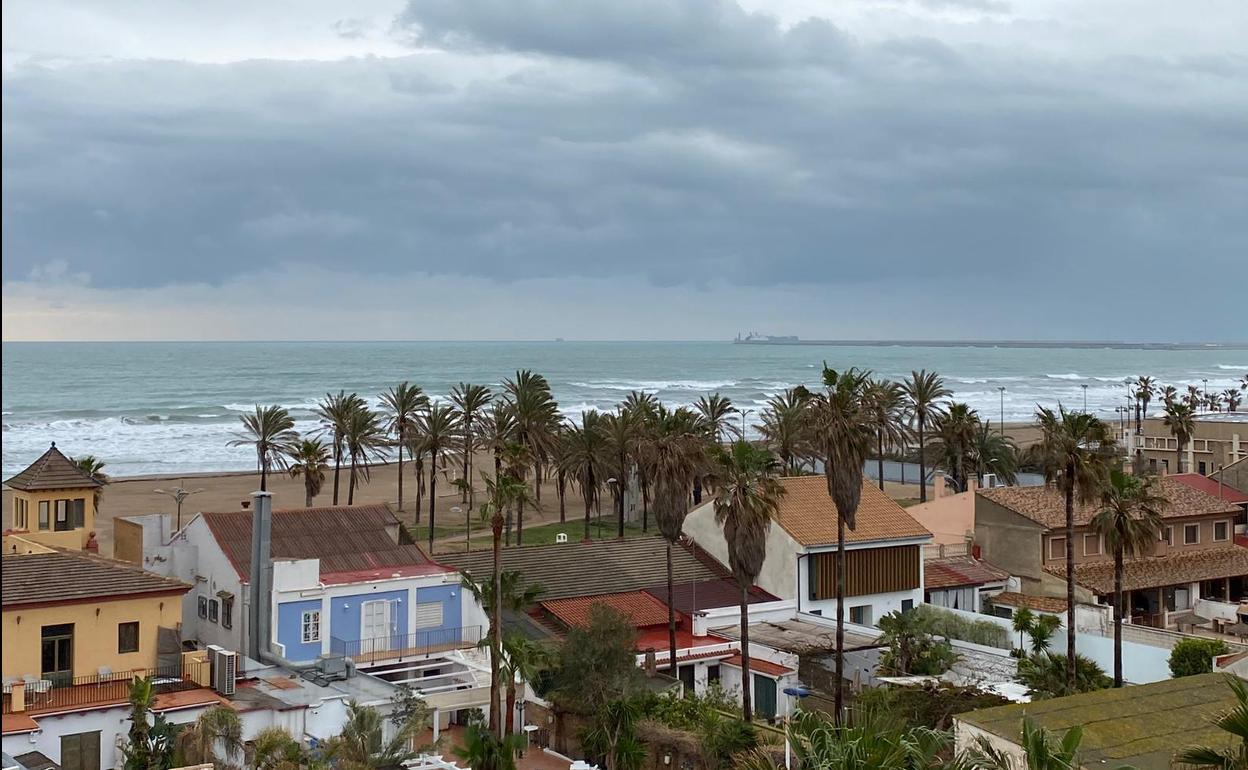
(755, 337)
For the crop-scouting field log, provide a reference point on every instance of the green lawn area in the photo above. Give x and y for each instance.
(545, 534)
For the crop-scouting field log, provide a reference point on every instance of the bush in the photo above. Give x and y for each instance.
(930, 706)
(1044, 674)
(944, 623)
(1195, 656)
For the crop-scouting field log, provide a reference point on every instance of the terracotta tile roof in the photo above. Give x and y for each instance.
(1045, 506)
(71, 576)
(953, 571)
(809, 515)
(639, 607)
(1210, 486)
(17, 723)
(1160, 571)
(356, 539)
(1037, 603)
(52, 470)
(593, 568)
(758, 666)
(707, 594)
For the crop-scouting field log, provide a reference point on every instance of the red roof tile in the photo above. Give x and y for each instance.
(953, 571)
(1038, 603)
(1211, 487)
(639, 607)
(17, 723)
(757, 666)
(809, 515)
(1046, 506)
(707, 594)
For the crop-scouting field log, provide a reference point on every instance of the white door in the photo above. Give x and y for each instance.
(375, 625)
(1182, 599)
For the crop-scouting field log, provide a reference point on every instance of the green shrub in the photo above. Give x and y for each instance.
(1195, 656)
(944, 623)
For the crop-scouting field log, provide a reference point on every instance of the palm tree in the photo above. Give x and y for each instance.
(996, 453)
(309, 458)
(523, 659)
(537, 415)
(747, 498)
(218, 727)
(783, 426)
(585, 457)
(886, 404)
(674, 455)
(365, 439)
(1129, 521)
(502, 492)
(275, 749)
(483, 750)
(1021, 621)
(1235, 722)
(362, 744)
(94, 467)
(643, 409)
(717, 412)
(841, 429)
(334, 411)
(270, 430)
(1074, 451)
(401, 404)
(470, 403)
(1041, 751)
(1179, 419)
(1145, 389)
(955, 430)
(1233, 399)
(923, 390)
(876, 741)
(619, 431)
(438, 427)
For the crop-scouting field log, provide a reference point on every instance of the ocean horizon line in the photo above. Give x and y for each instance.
(979, 343)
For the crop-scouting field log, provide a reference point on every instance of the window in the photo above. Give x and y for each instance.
(128, 637)
(1221, 531)
(43, 515)
(214, 610)
(712, 673)
(1191, 534)
(203, 607)
(19, 513)
(428, 614)
(1057, 548)
(860, 615)
(1203, 468)
(1091, 545)
(63, 521)
(78, 513)
(1166, 535)
(310, 627)
(1152, 465)
(907, 605)
(227, 611)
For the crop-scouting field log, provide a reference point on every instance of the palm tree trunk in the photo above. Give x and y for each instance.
(839, 700)
(337, 465)
(1118, 616)
(588, 507)
(519, 523)
(511, 705)
(922, 465)
(671, 612)
(1178, 455)
(563, 496)
(433, 498)
(351, 482)
(747, 702)
(496, 619)
(879, 436)
(620, 503)
(645, 503)
(418, 463)
(463, 497)
(264, 475)
(307, 490)
(400, 470)
(1070, 577)
(537, 481)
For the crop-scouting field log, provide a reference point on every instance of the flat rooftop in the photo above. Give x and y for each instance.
(801, 636)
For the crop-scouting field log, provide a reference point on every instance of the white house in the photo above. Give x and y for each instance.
(884, 552)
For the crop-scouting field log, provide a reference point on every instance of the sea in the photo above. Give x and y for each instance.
(172, 408)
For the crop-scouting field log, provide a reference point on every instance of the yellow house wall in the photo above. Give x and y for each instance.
(75, 538)
(95, 633)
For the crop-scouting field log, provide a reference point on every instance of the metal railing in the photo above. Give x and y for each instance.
(396, 647)
(64, 693)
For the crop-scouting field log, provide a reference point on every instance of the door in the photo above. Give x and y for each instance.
(57, 654)
(81, 751)
(764, 696)
(375, 625)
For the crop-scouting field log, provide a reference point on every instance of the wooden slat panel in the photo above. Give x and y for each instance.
(867, 571)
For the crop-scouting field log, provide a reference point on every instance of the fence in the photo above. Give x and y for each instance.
(103, 688)
(396, 647)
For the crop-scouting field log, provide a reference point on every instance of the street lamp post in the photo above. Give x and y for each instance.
(1001, 390)
(1085, 397)
(179, 496)
(1205, 383)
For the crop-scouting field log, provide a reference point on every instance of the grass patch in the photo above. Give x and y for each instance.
(544, 534)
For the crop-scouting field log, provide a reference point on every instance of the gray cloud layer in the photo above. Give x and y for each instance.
(684, 144)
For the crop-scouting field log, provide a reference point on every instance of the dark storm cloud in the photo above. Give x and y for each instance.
(683, 143)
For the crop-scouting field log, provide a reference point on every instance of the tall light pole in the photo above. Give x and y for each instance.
(1205, 382)
(744, 412)
(179, 496)
(1001, 390)
(1085, 397)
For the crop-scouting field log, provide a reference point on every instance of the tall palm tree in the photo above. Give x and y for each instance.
(841, 429)
(1169, 394)
(1179, 419)
(1233, 399)
(995, 453)
(586, 458)
(1145, 389)
(401, 404)
(270, 430)
(783, 426)
(620, 432)
(924, 390)
(537, 415)
(1074, 450)
(498, 430)
(362, 744)
(1233, 721)
(1129, 520)
(217, 727)
(309, 458)
(275, 749)
(94, 467)
(438, 427)
(717, 413)
(334, 410)
(747, 498)
(470, 403)
(886, 405)
(502, 493)
(523, 659)
(643, 409)
(364, 439)
(955, 429)
(674, 455)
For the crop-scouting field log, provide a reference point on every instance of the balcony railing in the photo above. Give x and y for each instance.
(399, 646)
(101, 689)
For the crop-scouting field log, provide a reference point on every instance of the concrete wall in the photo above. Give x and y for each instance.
(950, 519)
(1008, 541)
(777, 574)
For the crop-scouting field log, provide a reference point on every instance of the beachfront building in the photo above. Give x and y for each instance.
(884, 552)
(53, 502)
(1220, 439)
(1194, 561)
(1234, 475)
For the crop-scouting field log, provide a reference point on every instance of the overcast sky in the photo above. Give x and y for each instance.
(625, 169)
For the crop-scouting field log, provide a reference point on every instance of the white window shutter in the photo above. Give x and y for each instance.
(428, 614)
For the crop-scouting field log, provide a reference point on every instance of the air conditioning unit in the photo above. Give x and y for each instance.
(224, 664)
